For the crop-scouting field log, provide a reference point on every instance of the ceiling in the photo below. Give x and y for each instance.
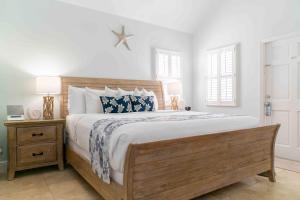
(181, 15)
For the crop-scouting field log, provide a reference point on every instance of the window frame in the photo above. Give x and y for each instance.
(168, 79)
(170, 53)
(219, 76)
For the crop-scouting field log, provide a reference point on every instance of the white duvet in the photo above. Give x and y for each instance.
(80, 125)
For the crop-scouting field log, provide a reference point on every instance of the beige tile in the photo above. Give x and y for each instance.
(30, 194)
(51, 184)
(259, 188)
(32, 182)
(68, 184)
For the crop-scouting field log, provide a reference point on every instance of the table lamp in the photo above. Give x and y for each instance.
(48, 85)
(174, 90)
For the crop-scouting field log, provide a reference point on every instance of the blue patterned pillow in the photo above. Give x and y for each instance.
(142, 103)
(121, 104)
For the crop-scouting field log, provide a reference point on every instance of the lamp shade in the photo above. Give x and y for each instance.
(48, 85)
(175, 88)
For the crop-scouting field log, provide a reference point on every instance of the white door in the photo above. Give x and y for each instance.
(282, 86)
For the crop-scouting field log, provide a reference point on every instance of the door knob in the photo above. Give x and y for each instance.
(268, 108)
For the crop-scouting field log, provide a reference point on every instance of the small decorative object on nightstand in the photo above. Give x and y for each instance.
(15, 112)
(174, 90)
(34, 143)
(34, 113)
(188, 108)
(48, 85)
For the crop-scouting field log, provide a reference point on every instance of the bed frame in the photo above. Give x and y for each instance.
(178, 169)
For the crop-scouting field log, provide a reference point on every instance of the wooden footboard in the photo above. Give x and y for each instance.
(185, 168)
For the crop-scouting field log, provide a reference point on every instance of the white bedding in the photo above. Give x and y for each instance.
(116, 176)
(80, 125)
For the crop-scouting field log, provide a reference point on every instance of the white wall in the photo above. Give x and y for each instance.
(247, 22)
(47, 37)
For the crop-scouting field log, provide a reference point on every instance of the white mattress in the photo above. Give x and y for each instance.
(80, 125)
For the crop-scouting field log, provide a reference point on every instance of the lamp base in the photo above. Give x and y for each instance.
(174, 102)
(48, 107)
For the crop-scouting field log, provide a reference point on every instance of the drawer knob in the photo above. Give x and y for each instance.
(37, 154)
(37, 134)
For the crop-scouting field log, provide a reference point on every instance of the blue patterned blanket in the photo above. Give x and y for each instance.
(104, 128)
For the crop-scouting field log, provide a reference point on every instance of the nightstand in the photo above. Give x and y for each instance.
(34, 143)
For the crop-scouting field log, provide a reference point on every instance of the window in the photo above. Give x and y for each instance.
(221, 76)
(167, 68)
(168, 65)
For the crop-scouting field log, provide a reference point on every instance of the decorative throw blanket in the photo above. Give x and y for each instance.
(104, 128)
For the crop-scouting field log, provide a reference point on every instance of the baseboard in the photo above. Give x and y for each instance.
(287, 164)
(3, 167)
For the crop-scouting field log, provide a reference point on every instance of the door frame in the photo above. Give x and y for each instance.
(262, 68)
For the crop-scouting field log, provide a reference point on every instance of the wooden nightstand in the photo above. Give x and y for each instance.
(34, 143)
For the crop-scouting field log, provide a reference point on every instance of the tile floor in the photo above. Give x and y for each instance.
(51, 184)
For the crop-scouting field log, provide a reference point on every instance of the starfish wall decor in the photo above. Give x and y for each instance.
(123, 38)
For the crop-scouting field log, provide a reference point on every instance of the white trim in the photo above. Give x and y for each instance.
(280, 37)
(236, 44)
(3, 167)
(262, 81)
(167, 51)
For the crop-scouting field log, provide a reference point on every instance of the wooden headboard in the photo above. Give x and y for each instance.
(100, 83)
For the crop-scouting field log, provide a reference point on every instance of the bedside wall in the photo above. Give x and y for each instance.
(47, 37)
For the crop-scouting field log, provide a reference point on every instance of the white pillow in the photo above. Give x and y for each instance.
(76, 100)
(137, 92)
(92, 99)
(122, 92)
(110, 92)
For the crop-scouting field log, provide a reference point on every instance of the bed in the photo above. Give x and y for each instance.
(224, 151)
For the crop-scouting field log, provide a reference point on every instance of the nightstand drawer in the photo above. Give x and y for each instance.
(36, 154)
(36, 134)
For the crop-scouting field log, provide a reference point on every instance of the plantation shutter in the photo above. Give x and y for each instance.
(168, 69)
(221, 77)
(212, 81)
